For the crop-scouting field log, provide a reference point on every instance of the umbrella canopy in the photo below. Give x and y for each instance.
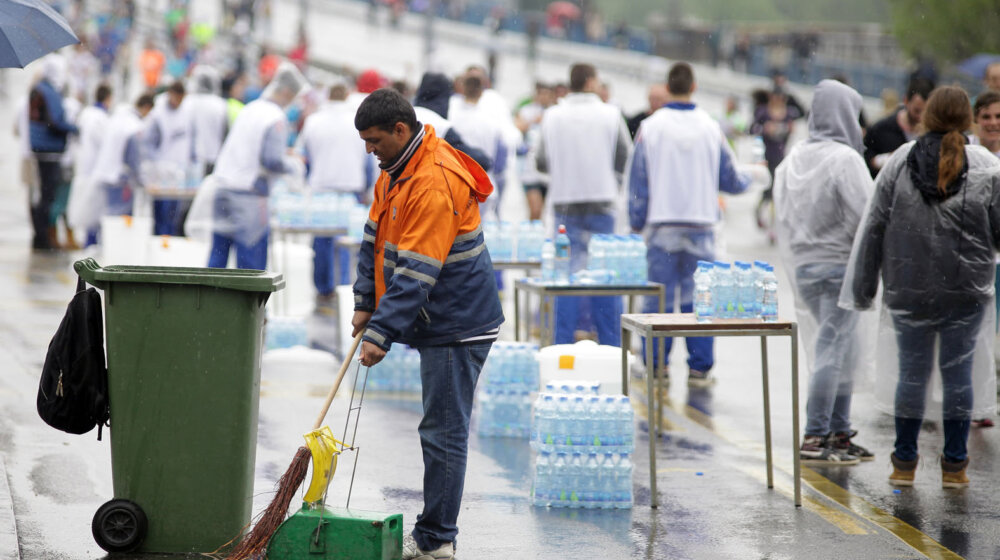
(975, 66)
(30, 29)
(563, 9)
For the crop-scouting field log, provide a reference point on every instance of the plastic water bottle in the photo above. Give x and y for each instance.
(704, 309)
(594, 410)
(746, 300)
(624, 423)
(623, 482)
(563, 426)
(548, 262)
(578, 415)
(591, 474)
(769, 296)
(606, 484)
(641, 262)
(574, 478)
(597, 253)
(562, 262)
(723, 292)
(609, 423)
(560, 491)
(542, 489)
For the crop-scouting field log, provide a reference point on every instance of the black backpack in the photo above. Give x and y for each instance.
(73, 390)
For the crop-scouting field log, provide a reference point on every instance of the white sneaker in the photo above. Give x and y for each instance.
(412, 552)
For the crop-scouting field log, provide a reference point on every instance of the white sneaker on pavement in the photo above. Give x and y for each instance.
(412, 552)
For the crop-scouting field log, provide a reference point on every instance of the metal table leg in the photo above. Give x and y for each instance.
(654, 431)
(517, 314)
(661, 346)
(797, 467)
(626, 345)
(767, 412)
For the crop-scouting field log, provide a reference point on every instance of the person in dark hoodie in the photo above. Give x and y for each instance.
(931, 231)
(431, 107)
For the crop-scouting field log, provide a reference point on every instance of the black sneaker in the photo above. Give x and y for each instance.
(818, 451)
(842, 442)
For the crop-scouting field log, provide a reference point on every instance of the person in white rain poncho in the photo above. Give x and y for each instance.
(171, 152)
(820, 193)
(336, 163)
(931, 231)
(210, 114)
(252, 156)
(86, 201)
(116, 169)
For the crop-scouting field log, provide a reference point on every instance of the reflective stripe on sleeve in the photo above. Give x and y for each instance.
(416, 275)
(419, 258)
(465, 254)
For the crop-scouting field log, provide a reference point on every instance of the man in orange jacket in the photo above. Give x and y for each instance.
(426, 279)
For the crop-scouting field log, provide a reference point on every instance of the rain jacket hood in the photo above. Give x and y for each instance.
(434, 93)
(834, 115)
(922, 165)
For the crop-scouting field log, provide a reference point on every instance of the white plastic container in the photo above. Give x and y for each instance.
(584, 361)
(125, 240)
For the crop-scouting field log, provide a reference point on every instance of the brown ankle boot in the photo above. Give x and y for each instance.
(953, 474)
(903, 472)
(54, 238)
(71, 243)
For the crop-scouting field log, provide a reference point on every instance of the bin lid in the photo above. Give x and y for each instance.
(232, 279)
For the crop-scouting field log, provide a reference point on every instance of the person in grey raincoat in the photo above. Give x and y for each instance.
(931, 231)
(820, 193)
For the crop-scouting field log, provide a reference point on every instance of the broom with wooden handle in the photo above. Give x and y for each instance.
(254, 544)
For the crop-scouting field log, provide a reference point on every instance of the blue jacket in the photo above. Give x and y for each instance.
(48, 134)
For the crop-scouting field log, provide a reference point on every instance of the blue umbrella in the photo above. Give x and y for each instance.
(975, 66)
(30, 29)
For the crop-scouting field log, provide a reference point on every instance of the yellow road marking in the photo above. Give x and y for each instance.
(853, 503)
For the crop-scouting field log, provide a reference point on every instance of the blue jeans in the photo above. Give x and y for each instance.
(673, 270)
(829, 406)
(323, 269)
(166, 217)
(448, 375)
(915, 337)
(606, 311)
(118, 199)
(250, 257)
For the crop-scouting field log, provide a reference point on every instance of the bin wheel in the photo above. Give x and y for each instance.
(119, 526)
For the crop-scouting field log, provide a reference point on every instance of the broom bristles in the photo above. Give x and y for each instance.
(254, 544)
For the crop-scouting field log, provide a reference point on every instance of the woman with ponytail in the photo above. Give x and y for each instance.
(930, 233)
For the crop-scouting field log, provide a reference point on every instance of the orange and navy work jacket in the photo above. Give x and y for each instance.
(423, 266)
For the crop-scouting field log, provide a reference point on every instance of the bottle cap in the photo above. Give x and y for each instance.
(562, 228)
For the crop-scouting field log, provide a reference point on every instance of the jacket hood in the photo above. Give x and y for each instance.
(922, 165)
(834, 115)
(434, 92)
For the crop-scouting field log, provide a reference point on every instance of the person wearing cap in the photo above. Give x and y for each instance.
(252, 156)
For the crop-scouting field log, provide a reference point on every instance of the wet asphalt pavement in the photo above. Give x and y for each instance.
(714, 502)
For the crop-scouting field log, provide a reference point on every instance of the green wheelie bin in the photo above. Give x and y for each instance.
(184, 348)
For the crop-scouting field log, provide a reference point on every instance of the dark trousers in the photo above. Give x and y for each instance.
(915, 337)
(448, 375)
(50, 177)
